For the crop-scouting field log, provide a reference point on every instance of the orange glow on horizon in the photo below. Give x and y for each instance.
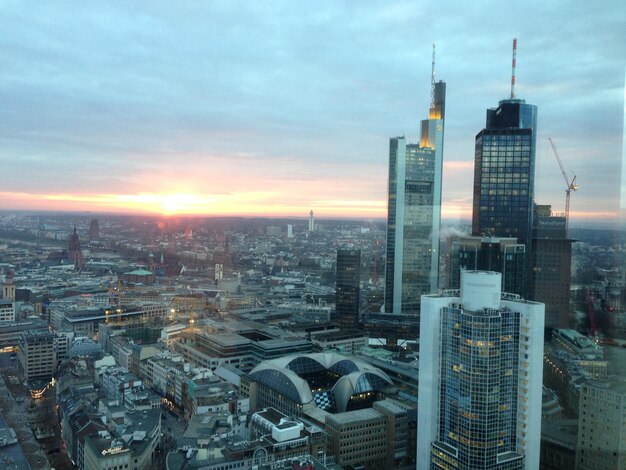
(244, 204)
(252, 203)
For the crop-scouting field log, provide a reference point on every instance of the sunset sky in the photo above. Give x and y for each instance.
(276, 108)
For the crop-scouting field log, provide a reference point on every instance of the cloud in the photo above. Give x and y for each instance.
(238, 96)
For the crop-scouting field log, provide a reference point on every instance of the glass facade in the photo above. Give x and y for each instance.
(503, 255)
(504, 173)
(347, 288)
(414, 213)
(479, 380)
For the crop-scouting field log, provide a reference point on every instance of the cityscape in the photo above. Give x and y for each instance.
(172, 298)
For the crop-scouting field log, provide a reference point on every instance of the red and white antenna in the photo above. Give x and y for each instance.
(513, 69)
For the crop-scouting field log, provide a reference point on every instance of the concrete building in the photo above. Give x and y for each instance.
(602, 426)
(10, 333)
(240, 346)
(550, 280)
(480, 378)
(358, 438)
(36, 355)
(7, 312)
(558, 444)
(130, 444)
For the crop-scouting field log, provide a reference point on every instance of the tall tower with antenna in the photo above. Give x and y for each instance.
(414, 209)
(504, 170)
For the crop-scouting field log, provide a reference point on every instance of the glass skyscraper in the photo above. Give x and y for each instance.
(414, 212)
(504, 172)
(347, 288)
(480, 378)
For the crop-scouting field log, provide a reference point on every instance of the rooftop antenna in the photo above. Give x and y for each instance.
(432, 82)
(513, 69)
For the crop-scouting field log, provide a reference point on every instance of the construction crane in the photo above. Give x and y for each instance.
(571, 185)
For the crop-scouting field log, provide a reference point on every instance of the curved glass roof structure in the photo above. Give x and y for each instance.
(288, 376)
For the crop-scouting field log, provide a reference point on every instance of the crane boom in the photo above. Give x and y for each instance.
(571, 185)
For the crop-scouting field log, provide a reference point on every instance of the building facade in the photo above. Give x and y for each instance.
(602, 426)
(7, 312)
(480, 378)
(504, 173)
(36, 354)
(551, 277)
(503, 255)
(414, 212)
(348, 288)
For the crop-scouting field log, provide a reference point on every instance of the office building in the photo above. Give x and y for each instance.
(347, 288)
(7, 312)
(94, 231)
(550, 280)
(36, 354)
(504, 172)
(131, 443)
(503, 255)
(414, 212)
(480, 378)
(311, 221)
(601, 426)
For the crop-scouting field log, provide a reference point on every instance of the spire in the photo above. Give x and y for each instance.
(432, 82)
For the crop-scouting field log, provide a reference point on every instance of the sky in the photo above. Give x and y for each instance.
(279, 107)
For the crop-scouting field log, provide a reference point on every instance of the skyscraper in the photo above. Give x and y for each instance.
(414, 211)
(94, 231)
(551, 277)
(347, 288)
(504, 171)
(480, 378)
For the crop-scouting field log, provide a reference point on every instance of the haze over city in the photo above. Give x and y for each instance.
(276, 108)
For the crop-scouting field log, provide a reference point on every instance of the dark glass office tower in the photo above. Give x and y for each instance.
(503, 255)
(347, 288)
(504, 172)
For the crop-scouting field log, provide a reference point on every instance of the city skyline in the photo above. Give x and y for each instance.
(236, 109)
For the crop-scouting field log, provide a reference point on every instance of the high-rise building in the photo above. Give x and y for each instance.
(36, 354)
(550, 277)
(480, 378)
(503, 255)
(311, 221)
(504, 172)
(414, 211)
(347, 288)
(94, 230)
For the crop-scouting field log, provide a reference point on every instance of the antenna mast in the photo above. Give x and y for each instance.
(513, 63)
(432, 82)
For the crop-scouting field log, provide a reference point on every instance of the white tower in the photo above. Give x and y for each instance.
(311, 221)
(480, 378)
